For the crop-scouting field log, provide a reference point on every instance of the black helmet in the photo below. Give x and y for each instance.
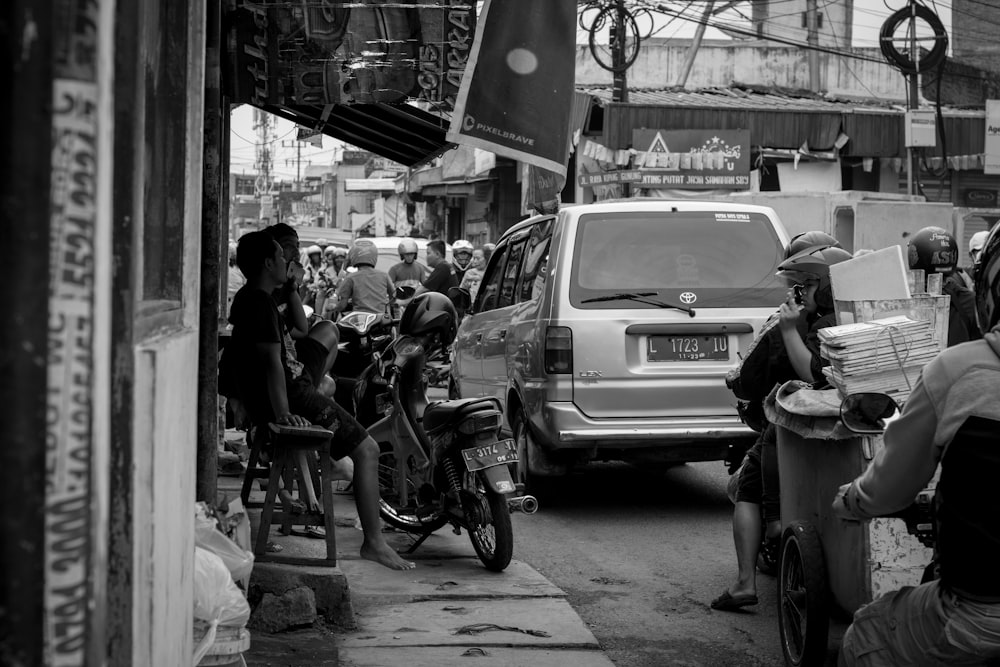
(812, 239)
(815, 263)
(429, 313)
(934, 250)
(988, 281)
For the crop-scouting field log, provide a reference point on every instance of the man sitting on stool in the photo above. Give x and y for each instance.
(271, 393)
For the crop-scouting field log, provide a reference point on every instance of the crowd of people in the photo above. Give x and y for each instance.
(951, 418)
(276, 365)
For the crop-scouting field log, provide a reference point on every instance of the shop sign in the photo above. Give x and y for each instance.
(991, 164)
(336, 52)
(980, 198)
(684, 159)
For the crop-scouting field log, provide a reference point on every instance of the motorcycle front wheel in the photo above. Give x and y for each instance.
(401, 517)
(493, 536)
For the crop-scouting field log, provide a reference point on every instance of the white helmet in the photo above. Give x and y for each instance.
(407, 247)
(976, 244)
(314, 250)
(461, 246)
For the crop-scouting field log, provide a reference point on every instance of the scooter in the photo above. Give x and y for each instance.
(444, 462)
(362, 337)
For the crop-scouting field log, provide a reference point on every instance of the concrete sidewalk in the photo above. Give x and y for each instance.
(446, 611)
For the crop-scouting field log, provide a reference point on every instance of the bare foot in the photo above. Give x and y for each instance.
(385, 555)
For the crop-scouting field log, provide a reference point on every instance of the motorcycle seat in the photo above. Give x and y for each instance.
(445, 413)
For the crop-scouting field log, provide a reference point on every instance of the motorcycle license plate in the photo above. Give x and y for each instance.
(493, 454)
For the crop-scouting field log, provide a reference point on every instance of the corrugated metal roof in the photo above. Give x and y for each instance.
(733, 98)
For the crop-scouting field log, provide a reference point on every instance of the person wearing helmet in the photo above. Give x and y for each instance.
(311, 282)
(461, 257)
(408, 272)
(272, 393)
(976, 244)
(474, 274)
(951, 419)
(934, 250)
(787, 348)
(443, 276)
(368, 289)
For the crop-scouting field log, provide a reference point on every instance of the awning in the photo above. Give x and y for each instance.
(781, 120)
(400, 132)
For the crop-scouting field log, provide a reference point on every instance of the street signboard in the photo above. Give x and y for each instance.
(991, 164)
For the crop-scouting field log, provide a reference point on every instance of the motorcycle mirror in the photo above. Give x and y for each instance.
(461, 297)
(404, 291)
(866, 413)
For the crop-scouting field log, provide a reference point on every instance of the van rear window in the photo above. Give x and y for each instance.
(722, 258)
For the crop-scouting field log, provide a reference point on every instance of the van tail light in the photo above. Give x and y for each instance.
(558, 350)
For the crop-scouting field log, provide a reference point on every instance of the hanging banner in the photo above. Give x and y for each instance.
(340, 52)
(684, 159)
(517, 97)
(991, 164)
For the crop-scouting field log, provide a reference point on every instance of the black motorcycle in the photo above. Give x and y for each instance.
(443, 462)
(362, 337)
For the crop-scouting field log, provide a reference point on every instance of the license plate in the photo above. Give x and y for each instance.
(493, 454)
(687, 348)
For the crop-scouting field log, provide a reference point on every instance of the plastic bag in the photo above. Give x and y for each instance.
(217, 600)
(208, 536)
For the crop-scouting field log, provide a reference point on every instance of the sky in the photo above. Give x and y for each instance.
(868, 18)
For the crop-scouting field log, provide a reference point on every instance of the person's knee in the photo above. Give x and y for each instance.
(327, 333)
(366, 452)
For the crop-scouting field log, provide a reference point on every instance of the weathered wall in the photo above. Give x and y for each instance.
(718, 64)
(163, 515)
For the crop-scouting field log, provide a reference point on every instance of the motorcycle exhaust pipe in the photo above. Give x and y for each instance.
(526, 504)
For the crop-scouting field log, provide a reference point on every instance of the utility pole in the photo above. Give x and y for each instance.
(699, 33)
(812, 38)
(912, 167)
(297, 160)
(617, 38)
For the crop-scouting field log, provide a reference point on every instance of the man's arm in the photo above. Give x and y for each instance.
(901, 468)
(269, 355)
(798, 354)
(344, 292)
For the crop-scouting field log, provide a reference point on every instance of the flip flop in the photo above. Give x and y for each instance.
(729, 602)
(315, 532)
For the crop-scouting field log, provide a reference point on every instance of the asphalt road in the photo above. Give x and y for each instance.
(641, 554)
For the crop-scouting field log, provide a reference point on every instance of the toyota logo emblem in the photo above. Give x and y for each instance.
(688, 298)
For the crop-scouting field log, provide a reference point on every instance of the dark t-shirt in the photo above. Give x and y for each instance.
(963, 322)
(255, 319)
(442, 278)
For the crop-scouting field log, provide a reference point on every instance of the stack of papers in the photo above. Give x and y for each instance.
(884, 355)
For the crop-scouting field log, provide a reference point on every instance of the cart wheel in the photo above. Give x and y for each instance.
(804, 618)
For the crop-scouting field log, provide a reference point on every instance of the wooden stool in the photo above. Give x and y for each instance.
(290, 444)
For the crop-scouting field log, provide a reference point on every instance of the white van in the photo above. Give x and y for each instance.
(607, 330)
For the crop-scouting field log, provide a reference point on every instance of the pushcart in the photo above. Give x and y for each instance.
(830, 567)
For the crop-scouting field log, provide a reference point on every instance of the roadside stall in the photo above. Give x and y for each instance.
(829, 567)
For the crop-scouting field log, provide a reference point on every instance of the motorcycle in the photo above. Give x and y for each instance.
(444, 462)
(362, 337)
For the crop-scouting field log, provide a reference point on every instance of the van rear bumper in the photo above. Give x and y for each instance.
(561, 425)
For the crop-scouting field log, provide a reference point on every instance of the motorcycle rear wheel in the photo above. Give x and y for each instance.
(394, 514)
(494, 539)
